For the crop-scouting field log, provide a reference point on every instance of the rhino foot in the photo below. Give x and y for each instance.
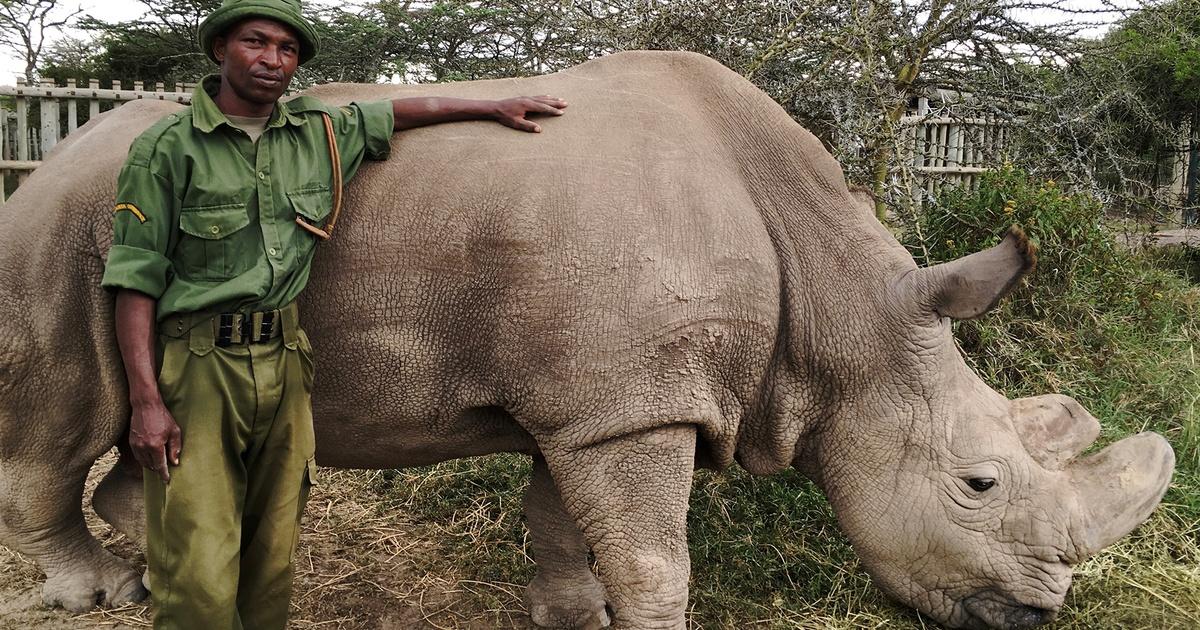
(113, 584)
(578, 605)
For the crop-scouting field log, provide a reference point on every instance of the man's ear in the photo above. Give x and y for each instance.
(219, 48)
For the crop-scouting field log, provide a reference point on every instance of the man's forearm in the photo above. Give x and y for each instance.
(510, 112)
(154, 436)
(135, 336)
(418, 112)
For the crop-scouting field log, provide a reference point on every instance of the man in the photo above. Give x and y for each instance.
(218, 212)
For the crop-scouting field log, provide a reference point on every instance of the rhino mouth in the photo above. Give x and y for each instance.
(992, 610)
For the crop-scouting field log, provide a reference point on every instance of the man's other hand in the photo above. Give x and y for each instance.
(155, 437)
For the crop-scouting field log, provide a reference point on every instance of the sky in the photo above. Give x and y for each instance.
(122, 10)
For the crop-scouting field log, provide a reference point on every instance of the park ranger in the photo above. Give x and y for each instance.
(218, 211)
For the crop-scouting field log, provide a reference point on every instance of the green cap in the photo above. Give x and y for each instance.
(234, 11)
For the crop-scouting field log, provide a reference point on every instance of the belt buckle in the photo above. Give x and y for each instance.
(265, 325)
(231, 329)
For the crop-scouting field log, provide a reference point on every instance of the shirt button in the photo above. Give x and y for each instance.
(216, 229)
(262, 175)
(272, 251)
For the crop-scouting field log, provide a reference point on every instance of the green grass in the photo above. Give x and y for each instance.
(1118, 330)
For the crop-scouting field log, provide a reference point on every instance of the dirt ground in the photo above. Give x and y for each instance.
(356, 569)
(1189, 237)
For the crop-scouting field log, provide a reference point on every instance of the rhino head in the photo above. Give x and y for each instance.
(965, 505)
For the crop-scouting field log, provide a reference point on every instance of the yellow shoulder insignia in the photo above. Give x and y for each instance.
(346, 110)
(132, 208)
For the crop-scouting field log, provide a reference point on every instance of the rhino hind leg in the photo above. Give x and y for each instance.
(565, 593)
(118, 500)
(41, 516)
(629, 495)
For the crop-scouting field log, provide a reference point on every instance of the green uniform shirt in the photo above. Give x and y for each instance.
(205, 218)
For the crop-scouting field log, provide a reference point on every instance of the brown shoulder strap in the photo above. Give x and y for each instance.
(335, 157)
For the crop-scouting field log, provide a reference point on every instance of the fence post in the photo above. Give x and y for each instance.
(22, 122)
(72, 109)
(1191, 214)
(3, 152)
(49, 108)
(93, 103)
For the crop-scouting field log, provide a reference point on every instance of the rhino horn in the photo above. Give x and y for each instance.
(1117, 490)
(970, 286)
(1054, 428)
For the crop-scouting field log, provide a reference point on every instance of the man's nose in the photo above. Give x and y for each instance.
(271, 57)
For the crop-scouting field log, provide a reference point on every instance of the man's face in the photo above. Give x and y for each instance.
(258, 58)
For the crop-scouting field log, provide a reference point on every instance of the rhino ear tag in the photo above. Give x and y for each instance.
(971, 286)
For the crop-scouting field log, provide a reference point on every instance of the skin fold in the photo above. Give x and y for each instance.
(673, 276)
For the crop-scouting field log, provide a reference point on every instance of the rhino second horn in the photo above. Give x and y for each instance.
(1054, 428)
(1118, 488)
(971, 286)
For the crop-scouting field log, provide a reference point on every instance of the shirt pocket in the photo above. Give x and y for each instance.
(313, 203)
(208, 249)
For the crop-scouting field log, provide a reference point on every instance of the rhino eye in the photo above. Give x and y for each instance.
(981, 484)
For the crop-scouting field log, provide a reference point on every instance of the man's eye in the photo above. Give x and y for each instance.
(981, 484)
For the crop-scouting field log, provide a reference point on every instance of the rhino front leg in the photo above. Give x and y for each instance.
(629, 495)
(564, 594)
(41, 516)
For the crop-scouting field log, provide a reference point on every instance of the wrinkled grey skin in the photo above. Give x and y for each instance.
(674, 274)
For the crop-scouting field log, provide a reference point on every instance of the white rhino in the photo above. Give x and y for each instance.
(673, 275)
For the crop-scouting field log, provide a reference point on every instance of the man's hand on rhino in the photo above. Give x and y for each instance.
(153, 434)
(512, 112)
(409, 113)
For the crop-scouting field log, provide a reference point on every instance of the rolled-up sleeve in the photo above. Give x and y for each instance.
(145, 210)
(363, 130)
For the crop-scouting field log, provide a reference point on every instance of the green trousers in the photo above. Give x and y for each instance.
(222, 534)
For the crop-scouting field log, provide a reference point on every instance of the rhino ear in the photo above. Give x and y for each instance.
(971, 286)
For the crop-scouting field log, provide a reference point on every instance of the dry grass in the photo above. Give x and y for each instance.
(444, 547)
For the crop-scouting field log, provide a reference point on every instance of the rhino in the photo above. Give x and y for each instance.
(674, 275)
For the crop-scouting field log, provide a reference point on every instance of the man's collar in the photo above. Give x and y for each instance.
(206, 116)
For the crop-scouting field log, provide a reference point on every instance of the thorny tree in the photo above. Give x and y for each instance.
(1118, 120)
(848, 70)
(24, 25)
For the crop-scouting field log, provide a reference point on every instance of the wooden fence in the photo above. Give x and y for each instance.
(939, 151)
(34, 118)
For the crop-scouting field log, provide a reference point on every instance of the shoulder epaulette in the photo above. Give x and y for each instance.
(143, 147)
